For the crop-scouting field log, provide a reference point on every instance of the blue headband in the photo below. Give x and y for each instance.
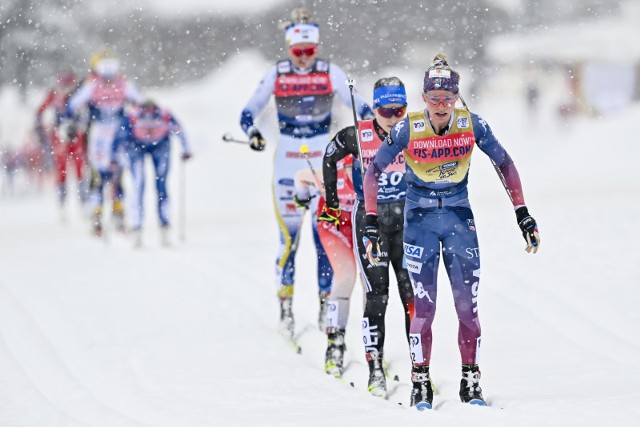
(385, 95)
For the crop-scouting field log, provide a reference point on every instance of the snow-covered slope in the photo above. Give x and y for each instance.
(104, 335)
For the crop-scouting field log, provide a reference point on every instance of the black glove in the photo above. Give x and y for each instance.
(256, 141)
(529, 229)
(113, 167)
(301, 203)
(330, 215)
(72, 132)
(42, 135)
(372, 232)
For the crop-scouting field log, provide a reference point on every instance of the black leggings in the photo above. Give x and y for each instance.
(376, 278)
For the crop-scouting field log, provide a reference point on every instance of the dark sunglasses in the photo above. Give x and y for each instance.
(299, 51)
(387, 113)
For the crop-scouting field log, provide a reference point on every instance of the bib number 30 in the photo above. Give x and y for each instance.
(392, 178)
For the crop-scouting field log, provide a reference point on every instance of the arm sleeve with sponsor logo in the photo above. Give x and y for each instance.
(338, 81)
(340, 146)
(395, 142)
(505, 168)
(258, 100)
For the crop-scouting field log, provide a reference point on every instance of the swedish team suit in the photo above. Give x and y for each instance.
(438, 214)
(303, 101)
(390, 196)
(106, 99)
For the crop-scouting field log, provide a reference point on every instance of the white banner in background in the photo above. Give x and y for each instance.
(608, 87)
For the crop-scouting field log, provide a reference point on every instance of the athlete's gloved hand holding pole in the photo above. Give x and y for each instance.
(302, 203)
(372, 232)
(529, 229)
(331, 215)
(256, 141)
(72, 132)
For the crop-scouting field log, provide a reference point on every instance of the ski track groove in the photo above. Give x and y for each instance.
(36, 355)
(575, 327)
(239, 297)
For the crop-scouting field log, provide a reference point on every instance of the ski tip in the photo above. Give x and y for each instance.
(477, 402)
(423, 406)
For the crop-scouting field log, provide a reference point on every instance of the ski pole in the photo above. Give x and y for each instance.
(304, 149)
(375, 251)
(463, 103)
(227, 137)
(296, 240)
(182, 217)
(351, 83)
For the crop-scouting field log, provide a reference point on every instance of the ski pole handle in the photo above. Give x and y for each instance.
(227, 137)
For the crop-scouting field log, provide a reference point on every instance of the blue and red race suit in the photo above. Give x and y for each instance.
(149, 133)
(437, 214)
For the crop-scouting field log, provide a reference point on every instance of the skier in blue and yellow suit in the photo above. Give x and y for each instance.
(303, 87)
(437, 144)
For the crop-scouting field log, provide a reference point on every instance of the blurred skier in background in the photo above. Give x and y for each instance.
(148, 130)
(336, 235)
(303, 86)
(66, 142)
(389, 107)
(437, 144)
(10, 165)
(105, 92)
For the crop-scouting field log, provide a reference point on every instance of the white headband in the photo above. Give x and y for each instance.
(302, 33)
(107, 67)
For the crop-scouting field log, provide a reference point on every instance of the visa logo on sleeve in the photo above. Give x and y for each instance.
(413, 251)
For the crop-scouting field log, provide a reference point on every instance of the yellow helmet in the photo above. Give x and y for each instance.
(103, 53)
(299, 15)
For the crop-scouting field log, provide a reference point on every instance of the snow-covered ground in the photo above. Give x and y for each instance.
(95, 334)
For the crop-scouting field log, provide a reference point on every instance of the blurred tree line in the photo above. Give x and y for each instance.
(39, 38)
